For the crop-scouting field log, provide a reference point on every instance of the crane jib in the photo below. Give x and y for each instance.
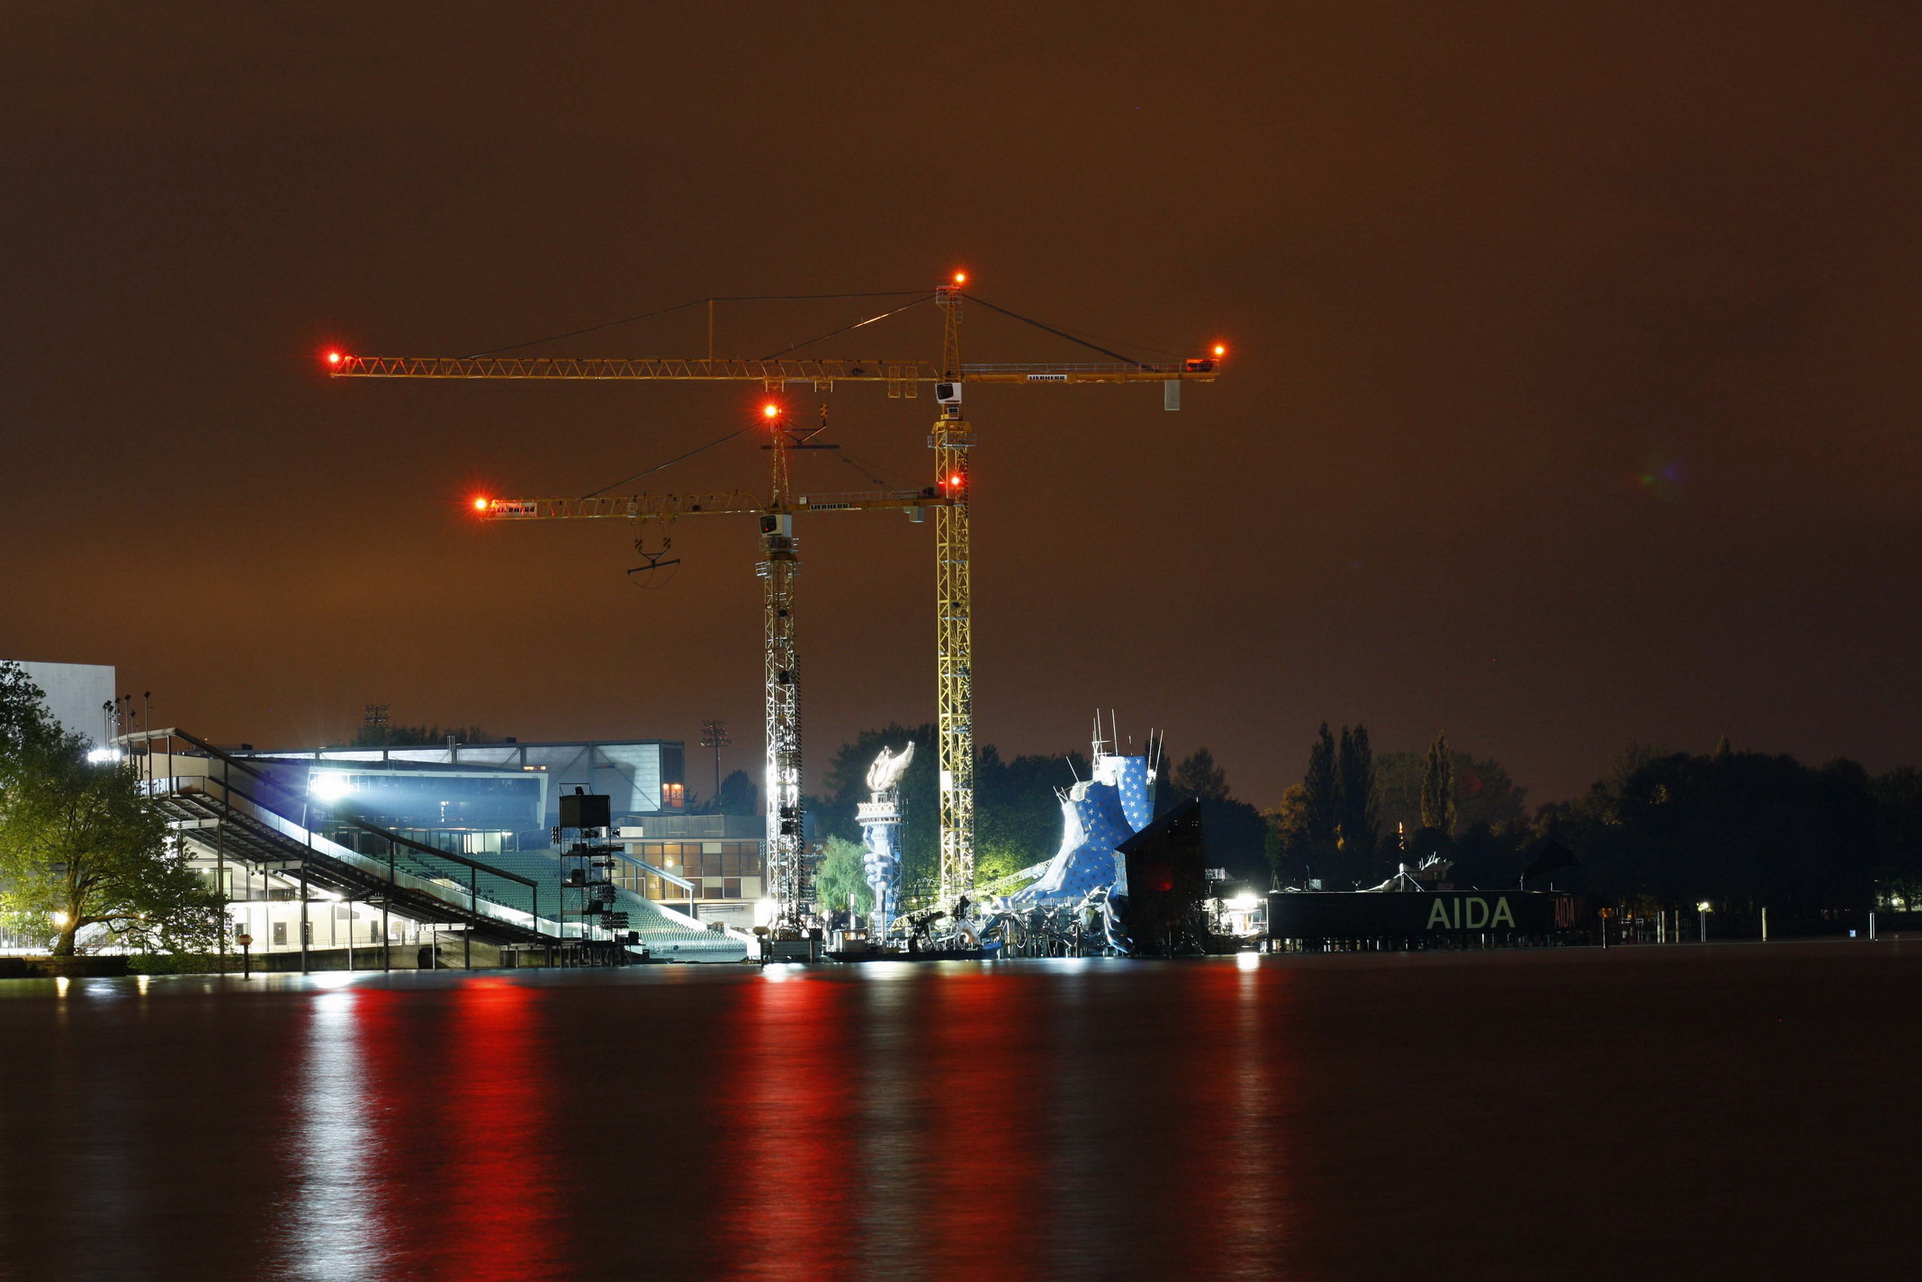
(772, 373)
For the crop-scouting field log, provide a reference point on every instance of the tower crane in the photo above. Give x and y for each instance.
(778, 569)
(951, 439)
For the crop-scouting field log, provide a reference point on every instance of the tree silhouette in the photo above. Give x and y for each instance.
(1438, 788)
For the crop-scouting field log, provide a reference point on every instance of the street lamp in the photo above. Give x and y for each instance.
(1704, 909)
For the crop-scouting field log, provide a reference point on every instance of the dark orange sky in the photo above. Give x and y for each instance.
(1573, 398)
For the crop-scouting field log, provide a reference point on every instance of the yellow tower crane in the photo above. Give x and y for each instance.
(952, 438)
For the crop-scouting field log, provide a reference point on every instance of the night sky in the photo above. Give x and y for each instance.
(1572, 398)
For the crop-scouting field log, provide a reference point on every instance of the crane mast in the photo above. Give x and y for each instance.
(954, 612)
(779, 569)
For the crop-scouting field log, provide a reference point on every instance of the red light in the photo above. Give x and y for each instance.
(960, 278)
(770, 410)
(480, 505)
(1221, 349)
(333, 358)
(955, 479)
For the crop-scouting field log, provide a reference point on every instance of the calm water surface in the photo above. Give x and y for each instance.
(1680, 1111)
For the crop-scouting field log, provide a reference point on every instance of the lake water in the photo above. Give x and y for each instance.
(1678, 1111)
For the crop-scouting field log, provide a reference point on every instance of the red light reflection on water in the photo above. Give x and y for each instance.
(426, 1149)
(960, 1121)
(498, 1187)
(1236, 1106)
(978, 1059)
(786, 1112)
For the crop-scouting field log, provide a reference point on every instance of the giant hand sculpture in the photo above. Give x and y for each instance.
(884, 775)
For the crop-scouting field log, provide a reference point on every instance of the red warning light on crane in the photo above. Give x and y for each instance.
(960, 278)
(770, 410)
(1221, 349)
(333, 358)
(481, 505)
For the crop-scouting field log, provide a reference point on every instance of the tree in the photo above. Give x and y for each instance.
(1198, 776)
(1438, 788)
(1484, 793)
(738, 796)
(1287, 829)
(843, 872)
(82, 845)
(1323, 802)
(1744, 827)
(1898, 796)
(421, 736)
(1235, 832)
(24, 721)
(1017, 811)
(1359, 813)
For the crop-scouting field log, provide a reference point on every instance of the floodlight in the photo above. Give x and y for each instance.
(329, 785)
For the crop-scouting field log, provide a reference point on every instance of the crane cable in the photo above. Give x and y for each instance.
(1058, 333)
(699, 449)
(849, 328)
(697, 302)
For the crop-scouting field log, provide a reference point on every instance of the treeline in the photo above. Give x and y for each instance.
(1740, 829)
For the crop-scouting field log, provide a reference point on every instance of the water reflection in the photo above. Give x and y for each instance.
(1342, 1116)
(501, 1204)
(976, 1053)
(419, 1144)
(334, 1213)
(786, 1108)
(1033, 1120)
(937, 1122)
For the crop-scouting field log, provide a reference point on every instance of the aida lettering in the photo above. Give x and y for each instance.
(1470, 913)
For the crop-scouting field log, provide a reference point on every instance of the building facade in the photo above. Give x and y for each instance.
(79, 695)
(713, 867)
(480, 799)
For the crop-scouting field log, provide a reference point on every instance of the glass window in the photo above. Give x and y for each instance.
(712, 890)
(280, 932)
(733, 886)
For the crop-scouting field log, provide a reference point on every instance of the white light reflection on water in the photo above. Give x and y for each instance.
(890, 1106)
(334, 1225)
(1259, 1177)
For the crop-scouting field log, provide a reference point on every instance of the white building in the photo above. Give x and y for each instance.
(77, 694)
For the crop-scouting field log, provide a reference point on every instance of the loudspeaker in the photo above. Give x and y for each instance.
(586, 810)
